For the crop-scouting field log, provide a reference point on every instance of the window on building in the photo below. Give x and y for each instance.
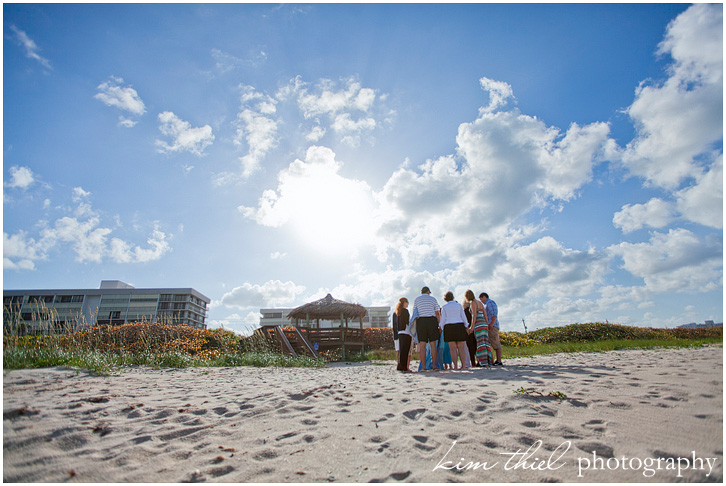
(69, 298)
(40, 298)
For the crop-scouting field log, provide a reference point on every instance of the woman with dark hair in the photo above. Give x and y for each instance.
(401, 322)
(480, 327)
(470, 337)
(453, 320)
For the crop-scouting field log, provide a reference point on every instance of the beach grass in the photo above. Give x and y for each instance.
(605, 345)
(106, 363)
(539, 349)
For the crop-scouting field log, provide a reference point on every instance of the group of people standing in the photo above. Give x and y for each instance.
(471, 331)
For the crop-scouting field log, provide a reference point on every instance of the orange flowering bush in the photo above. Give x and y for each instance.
(378, 338)
(515, 339)
(140, 337)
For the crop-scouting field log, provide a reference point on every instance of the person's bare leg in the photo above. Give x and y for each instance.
(463, 350)
(434, 365)
(452, 350)
(422, 354)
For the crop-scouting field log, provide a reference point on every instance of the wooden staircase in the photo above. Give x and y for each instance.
(292, 343)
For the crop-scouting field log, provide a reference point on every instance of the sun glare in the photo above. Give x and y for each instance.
(332, 214)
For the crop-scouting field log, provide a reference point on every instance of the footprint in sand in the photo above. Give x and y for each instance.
(567, 433)
(414, 414)
(602, 450)
(265, 455)
(286, 436)
(595, 426)
(397, 476)
(220, 471)
(619, 405)
(526, 440)
(491, 444)
(674, 398)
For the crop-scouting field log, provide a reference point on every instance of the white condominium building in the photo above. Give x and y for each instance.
(115, 302)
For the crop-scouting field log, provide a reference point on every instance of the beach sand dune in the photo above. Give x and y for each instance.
(367, 422)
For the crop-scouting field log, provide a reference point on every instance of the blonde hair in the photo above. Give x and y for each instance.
(399, 306)
(469, 296)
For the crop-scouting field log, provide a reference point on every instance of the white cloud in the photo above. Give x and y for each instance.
(272, 293)
(30, 47)
(20, 177)
(677, 261)
(87, 239)
(656, 213)
(125, 98)
(237, 323)
(20, 251)
(183, 136)
(351, 129)
(260, 133)
(80, 194)
(327, 99)
(126, 122)
(277, 255)
(545, 268)
(499, 94)
(225, 62)
(348, 107)
(315, 134)
(121, 251)
(703, 201)
(83, 232)
(679, 124)
(256, 128)
(511, 163)
(681, 119)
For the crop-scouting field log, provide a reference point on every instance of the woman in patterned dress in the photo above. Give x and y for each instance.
(480, 327)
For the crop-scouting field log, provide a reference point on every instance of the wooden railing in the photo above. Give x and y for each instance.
(334, 336)
(292, 343)
(302, 340)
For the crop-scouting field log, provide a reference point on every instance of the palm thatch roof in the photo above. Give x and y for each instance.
(327, 308)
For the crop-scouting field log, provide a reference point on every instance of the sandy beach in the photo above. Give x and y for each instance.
(634, 416)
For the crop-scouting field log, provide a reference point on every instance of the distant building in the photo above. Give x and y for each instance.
(706, 324)
(375, 317)
(115, 302)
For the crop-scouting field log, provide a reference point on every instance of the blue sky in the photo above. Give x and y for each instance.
(567, 159)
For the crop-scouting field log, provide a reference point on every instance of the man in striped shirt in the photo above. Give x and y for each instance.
(427, 324)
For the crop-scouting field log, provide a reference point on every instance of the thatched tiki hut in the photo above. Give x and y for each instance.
(331, 309)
